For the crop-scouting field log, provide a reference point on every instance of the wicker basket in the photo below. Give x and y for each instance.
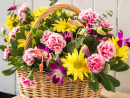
(45, 88)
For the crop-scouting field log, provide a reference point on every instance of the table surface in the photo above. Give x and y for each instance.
(107, 94)
(115, 95)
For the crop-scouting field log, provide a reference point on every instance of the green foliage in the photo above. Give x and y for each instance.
(38, 35)
(14, 43)
(107, 84)
(53, 2)
(25, 68)
(20, 34)
(3, 47)
(14, 61)
(43, 28)
(106, 68)
(93, 82)
(63, 15)
(10, 71)
(91, 43)
(74, 44)
(118, 65)
(31, 74)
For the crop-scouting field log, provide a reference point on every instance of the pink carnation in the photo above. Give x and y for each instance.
(56, 42)
(27, 83)
(95, 63)
(45, 37)
(28, 56)
(23, 8)
(107, 50)
(23, 17)
(7, 54)
(104, 24)
(88, 15)
(12, 33)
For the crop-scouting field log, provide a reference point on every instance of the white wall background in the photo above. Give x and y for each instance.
(120, 20)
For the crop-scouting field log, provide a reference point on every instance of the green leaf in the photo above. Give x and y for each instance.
(120, 66)
(31, 74)
(89, 40)
(48, 23)
(54, 15)
(106, 68)
(20, 51)
(91, 77)
(3, 47)
(100, 31)
(64, 15)
(94, 84)
(38, 36)
(34, 30)
(106, 82)
(10, 71)
(74, 44)
(14, 61)
(14, 43)
(43, 28)
(114, 62)
(114, 81)
(13, 52)
(25, 68)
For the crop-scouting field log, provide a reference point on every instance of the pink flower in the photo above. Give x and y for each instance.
(12, 33)
(13, 7)
(7, 54)
(27, 83)
(95, 63)
(45, 37)
(85, 50)
(23, 8)
(107, 50)
(88, 15)
(104, 24)
(56, 42)
(28, 56)
(23, 17)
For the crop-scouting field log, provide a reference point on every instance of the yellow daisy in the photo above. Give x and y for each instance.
(76, 65)
(38, 12)
(63, 26)
(12, 22)
(7, 39)
(120, 52)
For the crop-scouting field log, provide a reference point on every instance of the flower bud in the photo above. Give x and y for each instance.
(13, 7)
(75, 22)
(41, 68)
(85, 50)
(82, 32)
(3, 31)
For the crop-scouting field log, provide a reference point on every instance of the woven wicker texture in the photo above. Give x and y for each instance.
(46, 89)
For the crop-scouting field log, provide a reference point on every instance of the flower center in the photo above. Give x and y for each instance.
(77, 64)
(58, 74)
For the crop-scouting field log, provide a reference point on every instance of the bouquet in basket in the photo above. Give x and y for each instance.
(64, 45)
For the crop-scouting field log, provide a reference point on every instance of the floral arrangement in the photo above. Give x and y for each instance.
(65, 45)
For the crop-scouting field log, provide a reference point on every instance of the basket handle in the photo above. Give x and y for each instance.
(46, 13)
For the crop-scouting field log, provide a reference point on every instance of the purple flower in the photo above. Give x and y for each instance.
(45, 53)
(23, 17)
(67, 37)
(13, 7)
(90, 32)
(85, 50)
(123, 42)
(58, 72)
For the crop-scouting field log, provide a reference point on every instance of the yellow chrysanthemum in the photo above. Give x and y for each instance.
(38, 12)
(22, 41)
(76, 65)
(68, 14)
(63, 26)
(120, 52)
(11, 22)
